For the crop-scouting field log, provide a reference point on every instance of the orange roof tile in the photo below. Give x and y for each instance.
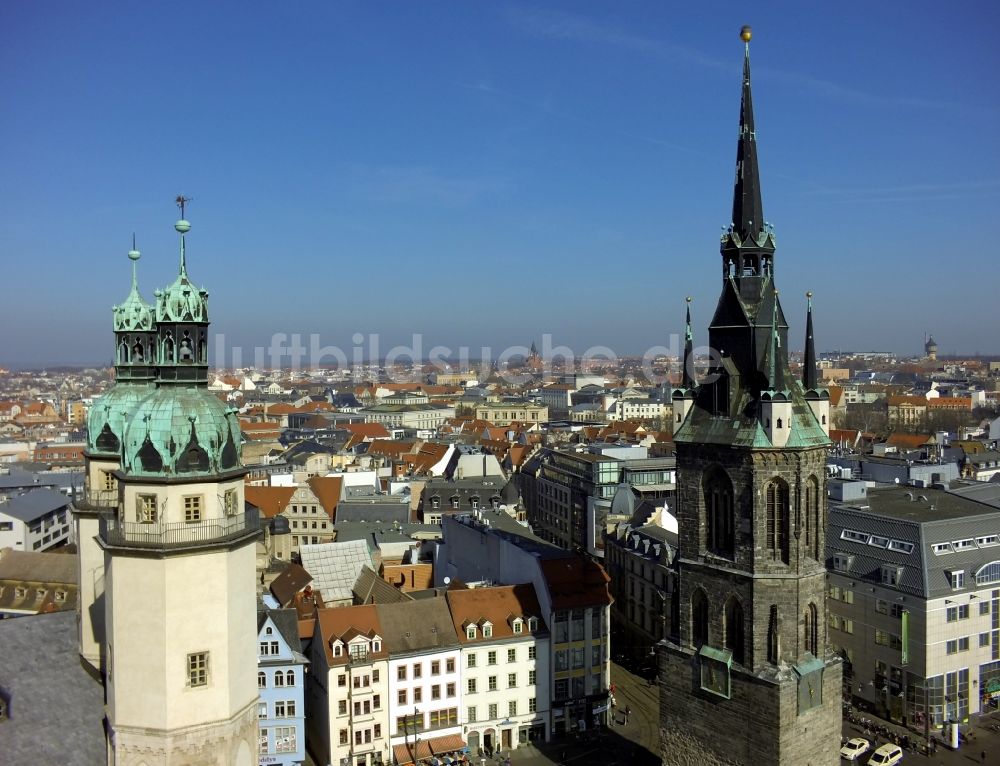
(368, 430)
(345, 622)
(327, 490)
(270, 500)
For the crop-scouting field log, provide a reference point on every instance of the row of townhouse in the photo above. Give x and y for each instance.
(403, 682)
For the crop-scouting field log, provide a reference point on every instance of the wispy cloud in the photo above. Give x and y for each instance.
(544, 22)
(562, 25)
(424, 185)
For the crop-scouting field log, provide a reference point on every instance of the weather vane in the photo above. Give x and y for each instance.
(182, 201)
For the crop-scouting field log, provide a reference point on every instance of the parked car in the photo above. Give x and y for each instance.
(887, 755)
(854, 748)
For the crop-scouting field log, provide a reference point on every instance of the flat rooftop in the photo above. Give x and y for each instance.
(922, 505)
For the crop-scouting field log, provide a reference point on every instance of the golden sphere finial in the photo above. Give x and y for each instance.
(809, 293)
(746, 33)
(688, 299)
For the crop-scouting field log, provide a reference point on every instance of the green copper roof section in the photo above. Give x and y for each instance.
(744, 429)
(133, 314)
(182, 301)
(108, 415)
(182, 431)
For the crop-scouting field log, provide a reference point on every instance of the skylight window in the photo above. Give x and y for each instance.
(900, 546)
(850, 534)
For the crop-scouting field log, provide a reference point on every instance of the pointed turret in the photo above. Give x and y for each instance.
(809, 362)
(748, 210)
(687, 377)
(135, 340)
(748, 243)
(182, 322)
(682, 399)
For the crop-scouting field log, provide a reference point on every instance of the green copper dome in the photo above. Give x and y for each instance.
(181, 431)
(134, 313)
(183, 301)
(108, 415)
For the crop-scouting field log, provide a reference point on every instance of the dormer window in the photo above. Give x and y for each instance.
(891, 575)
(957, 579)
(487, 630)
(532, 624)
(337, 650)
(470, 632)
(435, 502)
(376, 645)
(474, 501)
(518, 625)
(841, 562)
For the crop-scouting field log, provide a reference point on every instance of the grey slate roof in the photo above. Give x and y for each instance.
(335, 567)
(56, 708)
(415, 626)
(34, 505)
(372, 589)
(287, 623)
(374, 511)
(922, 518)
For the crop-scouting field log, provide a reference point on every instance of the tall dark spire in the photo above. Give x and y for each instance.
(809, 363)
(687, 374)
(748, 210)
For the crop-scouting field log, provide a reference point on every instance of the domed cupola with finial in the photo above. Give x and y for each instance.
(182, 429)
(135, 344)
(182, 321)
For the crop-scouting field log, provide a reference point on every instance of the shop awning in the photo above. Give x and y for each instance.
(447, 744)
(411, 752)
(426, 748)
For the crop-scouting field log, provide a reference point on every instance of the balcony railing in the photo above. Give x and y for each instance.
(97, 499)
(180, 534)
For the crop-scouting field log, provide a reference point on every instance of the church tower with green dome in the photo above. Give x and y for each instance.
(179, 561)
(135, 372)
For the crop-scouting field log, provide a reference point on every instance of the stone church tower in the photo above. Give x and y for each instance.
(178, 638)
(746, 677)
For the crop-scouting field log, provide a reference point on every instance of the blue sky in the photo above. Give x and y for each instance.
(484, 173)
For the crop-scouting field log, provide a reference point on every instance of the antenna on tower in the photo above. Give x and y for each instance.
(182, 201)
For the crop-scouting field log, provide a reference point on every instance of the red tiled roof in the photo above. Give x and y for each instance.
(327, 490)
(368, 430)
(270, 500)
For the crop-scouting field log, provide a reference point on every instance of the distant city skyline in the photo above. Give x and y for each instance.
(481, 175)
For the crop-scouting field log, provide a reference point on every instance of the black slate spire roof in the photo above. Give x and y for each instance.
(809, 363)
(748, 210)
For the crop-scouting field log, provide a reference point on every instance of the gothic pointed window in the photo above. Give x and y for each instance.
(699, 618)
(776, 531)
(734, 629)
(773, 628)
(720, 521)
(137, 351)
(123, 352)
(168, 349)
(811, 630)
(812, 523)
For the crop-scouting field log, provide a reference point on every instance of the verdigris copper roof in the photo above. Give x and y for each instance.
(134, 313)
(181, 430)
(741, 427)
(107, 417)
(182, 301)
